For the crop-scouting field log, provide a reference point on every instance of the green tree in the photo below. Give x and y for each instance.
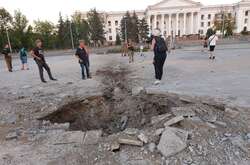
(118, 40)
(130, 27)
(225, 23)
(143, 29)
(210, 32)
(96, 27)
(5, 20)
(19, 31)
(80, 28)
(46, 31)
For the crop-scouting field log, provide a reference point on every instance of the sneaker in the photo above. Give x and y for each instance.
(53, 79)
(157, 82)
(43, 81)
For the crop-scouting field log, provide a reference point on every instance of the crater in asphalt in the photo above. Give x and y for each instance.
(116, 109)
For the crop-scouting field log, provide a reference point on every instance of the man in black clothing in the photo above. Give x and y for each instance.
(38, 55)
(7, 57)
(82, 55)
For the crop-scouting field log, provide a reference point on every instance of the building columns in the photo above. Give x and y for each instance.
(177, 24)
(169, 24)
(162, 24)
(155, 22)
(192, 23)
(199, 22)
(184, 23)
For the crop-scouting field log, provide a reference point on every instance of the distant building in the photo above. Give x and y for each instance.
(180, 17)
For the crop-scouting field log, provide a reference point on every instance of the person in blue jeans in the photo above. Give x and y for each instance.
(24, 59)
(82, 55)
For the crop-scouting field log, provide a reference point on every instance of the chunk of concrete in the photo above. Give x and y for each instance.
(92, 137)
(11, 136)
(130, 141)
(231, 113)
(183, 111)
(174, 121)
(69, 138)
(239, 142)
(159, 118)
(172, 141)
(115, 146)
(142, 137)
(137, 90)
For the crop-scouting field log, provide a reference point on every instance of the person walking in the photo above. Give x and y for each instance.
(24, 59)
(82, 55)
(131, 50)
(205, 45)
(141, 49)
(212, 44)
(124, 49)
(7, 57)
(38, 54)
(160, 54)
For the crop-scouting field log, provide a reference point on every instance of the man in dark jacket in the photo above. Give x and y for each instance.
(82, 55)
(39, 58)
(7, 57)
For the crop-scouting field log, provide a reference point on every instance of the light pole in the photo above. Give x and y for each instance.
(71, 36)
(8, 38)
(126, 35)
(7, 34)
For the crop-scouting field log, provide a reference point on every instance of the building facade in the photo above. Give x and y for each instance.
(181, 17)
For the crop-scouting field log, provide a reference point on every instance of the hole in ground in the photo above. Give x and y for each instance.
(110, 115)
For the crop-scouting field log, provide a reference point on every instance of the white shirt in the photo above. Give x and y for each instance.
(212, 40)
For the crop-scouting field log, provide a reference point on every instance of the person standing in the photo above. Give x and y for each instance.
(82, 55)
(38, 55)
(24, 59)
(160, 54)
(212, 44)
(7, 57)
(141, 49)
(131, 50)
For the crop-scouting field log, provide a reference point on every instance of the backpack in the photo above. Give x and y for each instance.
(160, 45)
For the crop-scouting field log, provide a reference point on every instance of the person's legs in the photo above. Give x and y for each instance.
(40, 68)
(47, 68)
(157, 68)
(132, 56)
(161, 65)
(82, 69)
(87, 70)
(8, 63)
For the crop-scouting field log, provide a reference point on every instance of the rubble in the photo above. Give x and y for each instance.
(92, 137)
(174, 121)
(157, 119)
(231, 113)
(11, 136)
(115, 146)
(151, 147)
(137, 90)
(130, 141)
(183, 111)
(142, 137)
(173, 141)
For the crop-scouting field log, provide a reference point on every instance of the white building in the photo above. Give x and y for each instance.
(181, 17)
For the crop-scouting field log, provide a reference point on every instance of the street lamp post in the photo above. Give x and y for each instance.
(8, 38)
(126, 35)
(71, 36)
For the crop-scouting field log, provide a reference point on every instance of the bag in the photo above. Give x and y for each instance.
(211, 41)
(160, 45)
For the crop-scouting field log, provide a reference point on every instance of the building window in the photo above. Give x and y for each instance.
(110, 38)
(202, 17)
(246, 13)
(117, 30)
(116, 23)
(246, 21)
(209, 16)
(209, 24)
(109, 23)
(201, 32)
(202, 24)
(110, 30)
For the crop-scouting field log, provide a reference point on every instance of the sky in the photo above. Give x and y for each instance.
(49, 9)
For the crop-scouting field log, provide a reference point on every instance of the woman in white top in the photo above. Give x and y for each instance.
(212, 43)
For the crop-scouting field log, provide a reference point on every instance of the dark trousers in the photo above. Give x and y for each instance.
(159, 61)
(85, 65)
(42, 64)
(8, 60)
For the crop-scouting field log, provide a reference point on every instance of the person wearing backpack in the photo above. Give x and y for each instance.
(212, 43)
(24, 59)
(160, 49)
